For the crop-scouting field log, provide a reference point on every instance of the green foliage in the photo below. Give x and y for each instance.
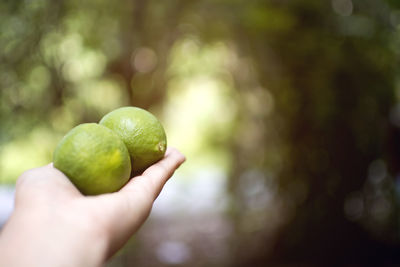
(294, 98)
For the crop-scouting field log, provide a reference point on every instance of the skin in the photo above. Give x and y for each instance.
(53, 224)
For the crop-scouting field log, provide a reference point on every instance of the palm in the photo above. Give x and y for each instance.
(117, 215)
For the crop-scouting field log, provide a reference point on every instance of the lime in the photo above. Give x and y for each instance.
(141, 132)
(94, 158)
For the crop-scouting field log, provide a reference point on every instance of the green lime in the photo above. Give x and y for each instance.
(141, 132)
(94, 158)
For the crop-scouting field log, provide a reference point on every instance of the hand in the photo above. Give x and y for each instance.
(53, 224)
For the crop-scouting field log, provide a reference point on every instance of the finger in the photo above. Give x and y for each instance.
(154, 177)
(134, 201)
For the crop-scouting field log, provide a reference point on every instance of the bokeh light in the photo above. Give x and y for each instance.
(288, 113)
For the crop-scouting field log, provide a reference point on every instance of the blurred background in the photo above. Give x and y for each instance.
(288, 112)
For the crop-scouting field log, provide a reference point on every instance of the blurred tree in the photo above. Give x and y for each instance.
(331, 70)
(64, 63)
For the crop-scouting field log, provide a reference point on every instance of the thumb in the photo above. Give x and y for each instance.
(44, 183)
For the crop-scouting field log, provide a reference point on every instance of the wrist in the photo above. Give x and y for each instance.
(50, 239)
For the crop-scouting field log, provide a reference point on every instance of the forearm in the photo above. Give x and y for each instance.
(38, 240)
